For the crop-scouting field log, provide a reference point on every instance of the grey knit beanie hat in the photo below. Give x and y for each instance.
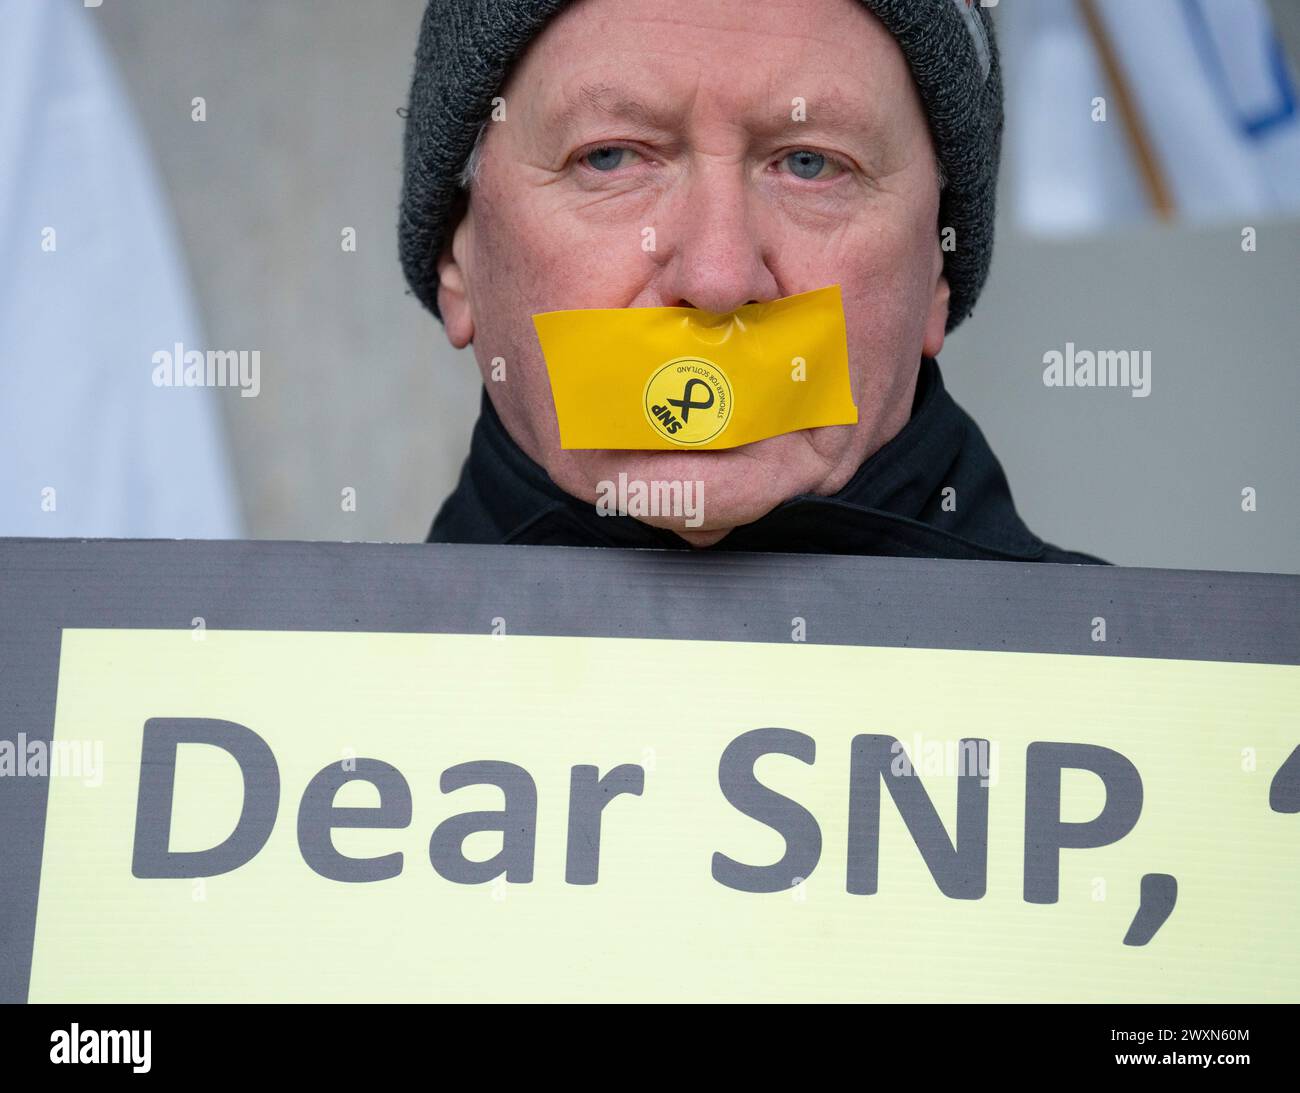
(466, 49)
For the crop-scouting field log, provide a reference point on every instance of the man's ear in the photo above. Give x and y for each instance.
(453, 287)
(936, 322)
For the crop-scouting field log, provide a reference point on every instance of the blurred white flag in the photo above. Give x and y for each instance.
(92, 284)
(1200, 112)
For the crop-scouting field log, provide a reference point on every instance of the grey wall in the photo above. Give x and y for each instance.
(1150, 481)
(302, 139)
(361, 389)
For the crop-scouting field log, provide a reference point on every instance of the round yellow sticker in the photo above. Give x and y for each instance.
(688, 400)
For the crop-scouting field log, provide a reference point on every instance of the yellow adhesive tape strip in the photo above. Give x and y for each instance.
(677, 377)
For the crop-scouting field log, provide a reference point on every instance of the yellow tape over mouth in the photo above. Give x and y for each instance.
(677, 377)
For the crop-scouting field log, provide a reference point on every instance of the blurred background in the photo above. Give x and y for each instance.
(224, 174)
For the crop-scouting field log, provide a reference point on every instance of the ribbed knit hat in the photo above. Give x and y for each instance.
(466, 49)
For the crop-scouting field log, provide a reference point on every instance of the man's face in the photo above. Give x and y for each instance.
(682, 116)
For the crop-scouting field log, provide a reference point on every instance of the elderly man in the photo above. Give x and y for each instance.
(766, 150)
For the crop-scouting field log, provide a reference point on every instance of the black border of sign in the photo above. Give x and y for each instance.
(47, 585)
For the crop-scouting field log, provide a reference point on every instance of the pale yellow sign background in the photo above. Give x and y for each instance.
(657, 926)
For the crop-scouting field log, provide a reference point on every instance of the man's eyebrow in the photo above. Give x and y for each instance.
(592, 98)
(828, 113)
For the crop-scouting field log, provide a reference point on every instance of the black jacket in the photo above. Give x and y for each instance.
(893, 505)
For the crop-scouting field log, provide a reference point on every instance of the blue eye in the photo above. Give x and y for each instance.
(607, 159)
(806, 164)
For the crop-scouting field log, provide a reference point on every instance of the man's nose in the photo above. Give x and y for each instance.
(718, 260)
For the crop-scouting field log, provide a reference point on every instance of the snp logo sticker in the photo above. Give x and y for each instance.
(688, 400)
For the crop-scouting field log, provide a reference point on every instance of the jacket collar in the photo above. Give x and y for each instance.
(935, 490)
